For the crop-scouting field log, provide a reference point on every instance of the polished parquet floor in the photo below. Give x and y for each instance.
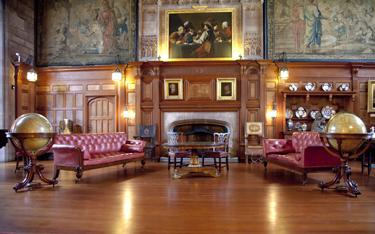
(245, 199)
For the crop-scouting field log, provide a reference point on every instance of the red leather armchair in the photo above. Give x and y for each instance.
(80, 152)
(304, 153)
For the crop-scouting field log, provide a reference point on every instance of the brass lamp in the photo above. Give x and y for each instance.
(116, 74)
(284, 72)
(32, 75)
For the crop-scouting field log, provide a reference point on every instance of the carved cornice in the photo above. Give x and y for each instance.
(195, 2)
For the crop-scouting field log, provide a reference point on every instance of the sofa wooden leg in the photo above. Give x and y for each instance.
(304, 178)
(265, 165)
(79, 173)
(56, 173)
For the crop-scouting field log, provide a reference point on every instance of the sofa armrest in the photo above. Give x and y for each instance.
(317, 156)
(279, 146)
(134, 146)
(67, 155)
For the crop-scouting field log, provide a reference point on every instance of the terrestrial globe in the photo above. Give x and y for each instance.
(31, 123)
(346, 122)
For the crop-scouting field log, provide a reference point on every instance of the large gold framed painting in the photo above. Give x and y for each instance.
(321, 29)
(85, 32)
(192, 34)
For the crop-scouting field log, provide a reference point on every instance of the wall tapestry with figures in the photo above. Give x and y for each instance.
(85, 32)
(321, 29)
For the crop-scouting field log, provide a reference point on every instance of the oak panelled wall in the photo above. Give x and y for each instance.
(68, 92)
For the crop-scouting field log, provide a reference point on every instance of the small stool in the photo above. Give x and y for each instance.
(25, 160)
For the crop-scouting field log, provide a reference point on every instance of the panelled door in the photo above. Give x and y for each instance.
(102, 115)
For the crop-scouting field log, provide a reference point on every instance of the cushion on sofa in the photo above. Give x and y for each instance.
(293, 158)
(279, 146)
(101, 158)
(132, 148)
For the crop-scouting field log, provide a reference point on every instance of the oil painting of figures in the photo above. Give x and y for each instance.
(85, 32)
(321, 29)
(200, 35)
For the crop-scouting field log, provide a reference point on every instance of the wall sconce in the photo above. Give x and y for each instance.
(126, 112)
(273, 113)
(117, 74)
(284, 72)
(32, 75)
(273, 116)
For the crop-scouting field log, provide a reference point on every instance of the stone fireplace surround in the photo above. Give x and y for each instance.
(228, 119)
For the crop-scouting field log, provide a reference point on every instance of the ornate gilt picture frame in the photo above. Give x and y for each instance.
(195, 35)
(371, 96)
(173, 89)
(226, 89)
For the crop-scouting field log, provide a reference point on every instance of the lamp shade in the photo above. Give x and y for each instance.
(273, 114)
(126, 113)
(32, 75)
(116, 75)
(284, 73)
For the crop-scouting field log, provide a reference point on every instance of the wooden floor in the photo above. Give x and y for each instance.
(245, 199)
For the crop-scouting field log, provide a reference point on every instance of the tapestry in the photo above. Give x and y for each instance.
(321, 29)
(85, 32)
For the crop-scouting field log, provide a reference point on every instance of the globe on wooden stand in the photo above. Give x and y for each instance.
(32, 134)
(345, 133)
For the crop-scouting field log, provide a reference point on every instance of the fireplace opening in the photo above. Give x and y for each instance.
(199, 132)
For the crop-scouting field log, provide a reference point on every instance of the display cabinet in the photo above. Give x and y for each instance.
(313, 101)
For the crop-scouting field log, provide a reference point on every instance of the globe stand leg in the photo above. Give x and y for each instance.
(343, 171)
(30, 170)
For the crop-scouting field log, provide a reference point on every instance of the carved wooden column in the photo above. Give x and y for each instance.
(243, 109)
(156, 108)
(355, 105)
(138, 92)
(121, 92)
(263, 90)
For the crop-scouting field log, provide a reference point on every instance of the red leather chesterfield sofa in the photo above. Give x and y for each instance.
(304, 153)
(81, 152)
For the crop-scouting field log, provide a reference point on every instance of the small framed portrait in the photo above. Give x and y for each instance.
(173, 89)
(226, 89)
(371, 96)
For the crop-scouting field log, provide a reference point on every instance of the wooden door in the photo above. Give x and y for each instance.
(102, 115)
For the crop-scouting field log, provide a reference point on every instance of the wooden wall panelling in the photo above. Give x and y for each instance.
(138, 92)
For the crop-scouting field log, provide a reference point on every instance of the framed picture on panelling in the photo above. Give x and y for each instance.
(371, 96)
(192, 35)
(226, 89)
(173, 89)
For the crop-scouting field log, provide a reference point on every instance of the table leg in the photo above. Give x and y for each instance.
(194, 159)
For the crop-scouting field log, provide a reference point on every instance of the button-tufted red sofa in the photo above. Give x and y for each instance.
(81, 152)
(304, 153)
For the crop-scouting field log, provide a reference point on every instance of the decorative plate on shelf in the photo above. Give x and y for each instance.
(313, 113)
(288, 114)
(327, 87)
(328, 112)
(301, 112)
(309, 86)
(343, 87)
(293, 87)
